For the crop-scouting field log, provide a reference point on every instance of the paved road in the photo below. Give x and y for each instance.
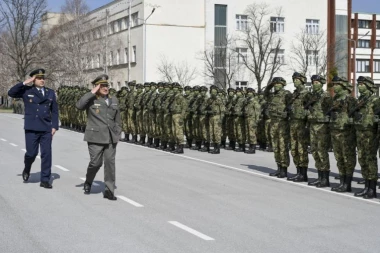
(169, 203)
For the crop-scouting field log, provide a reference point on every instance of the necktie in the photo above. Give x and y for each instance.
(40, 90)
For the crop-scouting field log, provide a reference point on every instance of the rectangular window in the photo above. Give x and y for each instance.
(92, 62)
(118, 86)
(363, 43)
(120, 24)
(377, 24)
(220, 37)
(111, 58)
(98, 33)
(112, 28)
(118, 57)
(376, 64)
(126, 83)
(241, 54)
(135, 19)
(377, 43)
(126, 55)
(362, 66)
(241, 84)
(111, 84)
(241, 22)
(364, 24)
(280, 56)
(98, 61)
(126, 22)
(311, 57)
(312, 26)
(277, 24)
(134, 54)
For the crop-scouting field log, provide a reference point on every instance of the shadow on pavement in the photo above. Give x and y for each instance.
(95, 189)
(36, 177)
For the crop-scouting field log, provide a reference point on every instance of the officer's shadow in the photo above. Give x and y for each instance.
(96, 188)
(36, 177)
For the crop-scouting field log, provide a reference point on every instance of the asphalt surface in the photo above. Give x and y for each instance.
(197, 202)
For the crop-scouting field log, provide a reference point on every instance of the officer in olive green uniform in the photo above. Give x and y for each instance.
(366, 126)
(279, 128)
(298, 133)
(343, 132)
(317, 105)
(252, 112)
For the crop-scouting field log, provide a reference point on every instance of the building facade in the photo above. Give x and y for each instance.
(158, 37)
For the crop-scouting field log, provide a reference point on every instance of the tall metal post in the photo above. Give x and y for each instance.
(129, 39)
(106, 59)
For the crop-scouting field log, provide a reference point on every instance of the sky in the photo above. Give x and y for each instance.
(370, 6)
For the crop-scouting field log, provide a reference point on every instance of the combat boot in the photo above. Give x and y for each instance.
(364, 191)
(262, 146)
(149, 142)
(178, 150)
(134, 140)
(302, 176)
(276, 173)
(126, 138)
(197, 145)
(270, 149)
(325, 180)
(241, 148)
(316, 181)
(223, 144)
(205, 148)
(170, 147)
(251, 150)
(347, 185)
(371, 193)
(295, 176)
(156, 143)
(189, 143)
(216, 149)
(163, 145)
(283, 172)
(342, 179)
(142, 140)
(231, 145)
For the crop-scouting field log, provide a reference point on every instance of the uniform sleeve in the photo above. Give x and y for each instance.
(17, 91)
(84, 101)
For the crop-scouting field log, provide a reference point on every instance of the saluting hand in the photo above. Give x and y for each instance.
(29, 81)
(95, 89)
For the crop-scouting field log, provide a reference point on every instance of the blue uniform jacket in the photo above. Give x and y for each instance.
(41, 112)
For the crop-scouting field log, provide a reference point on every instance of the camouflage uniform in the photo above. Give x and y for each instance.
(215, 109)
(145, 114)
(177, 109)
(222, 95)
(167, 134)
(366, 120)
(121, 96)
(298, 134)
(230, 119)
(239, 127)
(138, 107)
(131, 120)
(203, 127)
(193, 106)
(318, 104)
(151, 118)
(343, 133)
(279, 128)
(252, 112)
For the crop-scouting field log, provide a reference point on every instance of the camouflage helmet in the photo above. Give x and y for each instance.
(139, 86)
(153, 84)
(176, 85)
(299, 76)
(231, 90)
(204, 88)
(367, 81)
(214, 87)
(187, 88)
(131, 84)
(238, 89)
(251, 90)
(278, 80)
(318, 78)
(146, 84)
(196, 88)
(342, 81)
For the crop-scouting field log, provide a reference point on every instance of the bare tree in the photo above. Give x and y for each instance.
(20, 35)
(263, 43)
(180, 72)
(222, 63)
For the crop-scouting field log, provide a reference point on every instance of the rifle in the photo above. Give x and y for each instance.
(336, 106)
(358, 106)
(311, 103)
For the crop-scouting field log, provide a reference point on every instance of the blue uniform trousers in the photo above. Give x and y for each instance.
(33, 141)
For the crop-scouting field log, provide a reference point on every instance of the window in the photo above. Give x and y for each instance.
(241, 22)
(98, 33)
(376, 64)
(118, 86)
(377, 24)
(311, 57)
(364, 24)
(312, 26)
(111, 84)
(92, 62)
(126, 83)
(112, 28)
(377, 43)
(116, 26)
(363, 43)
(362, 66)
(111, 58)
(126, 55)
(241, 54)
(220, 36)
(120, 24)
(98, 61)
(118, 57)
(277, 24)
(135, 19)
(280, 56)
(241, 84)
(134, 54)
(126, 22)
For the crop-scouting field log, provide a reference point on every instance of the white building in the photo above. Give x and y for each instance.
(177, 32)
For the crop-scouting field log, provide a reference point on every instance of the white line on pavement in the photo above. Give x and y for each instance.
(326, 190)
(14, 145)
(61, 168)
(191, 231)
(84, 179)
(3, 139)
(134, 203)
(23, 149)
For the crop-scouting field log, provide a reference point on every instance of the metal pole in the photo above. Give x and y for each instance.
(106, 63)
(144, 52)
(129, 39)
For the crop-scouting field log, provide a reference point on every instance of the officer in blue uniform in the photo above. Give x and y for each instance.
(40, 122)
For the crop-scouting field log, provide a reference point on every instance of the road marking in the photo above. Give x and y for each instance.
(191, 231)
(14, 145)
(3, 139)
(84, 179)
(61, 168)
(23, 149)
(326, 190)
(134, 203)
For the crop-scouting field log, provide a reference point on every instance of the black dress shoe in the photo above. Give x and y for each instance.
(109, 195)
(87, 188)
(25, 176)
(46, 185)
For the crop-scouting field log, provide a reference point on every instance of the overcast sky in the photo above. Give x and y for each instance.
(370, 6)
